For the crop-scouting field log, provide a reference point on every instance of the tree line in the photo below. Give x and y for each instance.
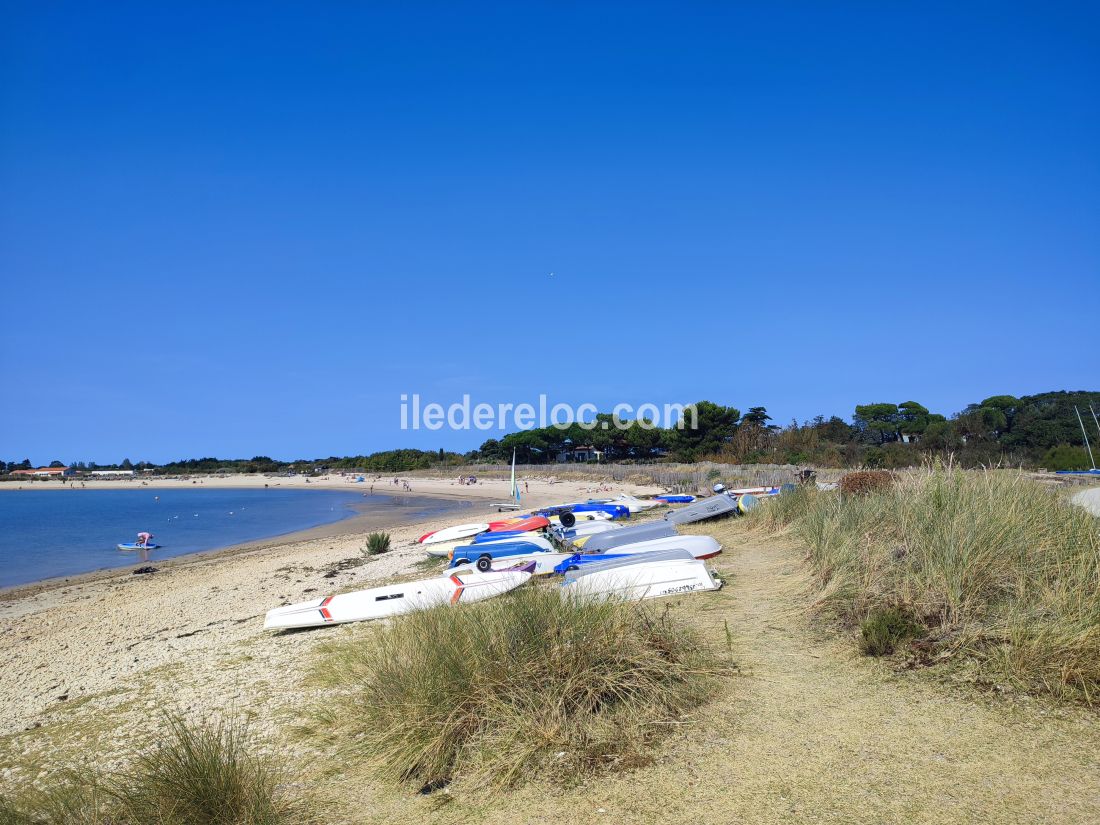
(1032, 431)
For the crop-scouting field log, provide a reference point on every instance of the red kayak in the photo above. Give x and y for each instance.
(520, 525)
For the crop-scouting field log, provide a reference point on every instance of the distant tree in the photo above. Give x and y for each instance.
(25, 464)
(756, 415)
(912, 417)
(441, 453)
(715, 426)
(126, 464)
(878, 421)
(56, 464)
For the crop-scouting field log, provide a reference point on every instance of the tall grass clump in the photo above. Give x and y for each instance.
(378, 543)
(198, 775)
(488, 693)
(992, 564)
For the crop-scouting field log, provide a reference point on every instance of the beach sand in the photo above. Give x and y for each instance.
(190, 636)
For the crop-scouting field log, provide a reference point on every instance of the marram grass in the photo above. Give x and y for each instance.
(197, 775)
(993, 564)
(490, 693)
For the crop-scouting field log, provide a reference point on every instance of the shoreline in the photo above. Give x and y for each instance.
(94, 646)
(355, 524)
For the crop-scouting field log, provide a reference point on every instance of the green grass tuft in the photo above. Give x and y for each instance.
(378, 543)
(884, 629)
(491, 692)
(204, 775)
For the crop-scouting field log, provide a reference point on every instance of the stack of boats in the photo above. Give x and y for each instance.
(585, 542)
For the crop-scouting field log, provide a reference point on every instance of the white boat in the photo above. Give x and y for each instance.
(634, 581)
(444, 550)
(700, 547)
(632, 503)
(588, 528)
(395, 599)
(459, 531)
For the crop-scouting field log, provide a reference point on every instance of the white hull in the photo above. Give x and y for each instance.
(700, 547)
(444, 550)
(459, 531)
(634, 505)
(652, 580)
(394, 599)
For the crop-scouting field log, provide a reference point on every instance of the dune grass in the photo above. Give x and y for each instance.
(490, 693)
(199, 775)
(995, 567)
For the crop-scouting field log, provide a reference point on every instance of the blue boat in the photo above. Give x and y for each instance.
(676, 499)
(473, 554)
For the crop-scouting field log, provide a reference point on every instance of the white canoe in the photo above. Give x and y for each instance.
(444, 550)
(459, 531)
(643, 580)
(395, 599)
(700, 547)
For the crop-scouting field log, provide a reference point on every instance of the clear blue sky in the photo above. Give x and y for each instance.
(231, 229)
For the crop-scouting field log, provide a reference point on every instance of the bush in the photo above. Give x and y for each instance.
(865, 481)
(378, 543)
(201, 775)
(884, 629)
(491, 692)
(1003, 569)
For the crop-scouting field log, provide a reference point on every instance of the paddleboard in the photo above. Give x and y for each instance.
(132, 546)
(395, 599)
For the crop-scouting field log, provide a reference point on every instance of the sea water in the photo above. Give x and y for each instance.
(48, 533)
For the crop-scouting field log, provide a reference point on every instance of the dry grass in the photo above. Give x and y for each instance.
(492, 693)
(997, 567)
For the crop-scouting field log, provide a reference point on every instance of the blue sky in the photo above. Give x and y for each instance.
(235, 229)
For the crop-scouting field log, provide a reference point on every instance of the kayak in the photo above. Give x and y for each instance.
(670, 499)
(133, 546)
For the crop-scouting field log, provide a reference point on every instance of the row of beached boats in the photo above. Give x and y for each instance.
(588, 543)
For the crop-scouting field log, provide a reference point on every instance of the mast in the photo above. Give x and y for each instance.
(1086, 435)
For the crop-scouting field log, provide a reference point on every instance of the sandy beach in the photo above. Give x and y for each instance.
(101, 645)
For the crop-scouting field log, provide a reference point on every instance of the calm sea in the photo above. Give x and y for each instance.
(47, 533)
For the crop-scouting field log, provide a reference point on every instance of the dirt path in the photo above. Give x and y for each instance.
(813, 733)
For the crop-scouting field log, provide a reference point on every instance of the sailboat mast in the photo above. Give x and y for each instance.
(1092, 460)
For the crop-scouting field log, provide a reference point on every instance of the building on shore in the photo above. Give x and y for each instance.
(46, 472)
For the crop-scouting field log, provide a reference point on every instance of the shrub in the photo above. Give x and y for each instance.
(884, 629)
(378, 543)
(863, 482)
(490, 692)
